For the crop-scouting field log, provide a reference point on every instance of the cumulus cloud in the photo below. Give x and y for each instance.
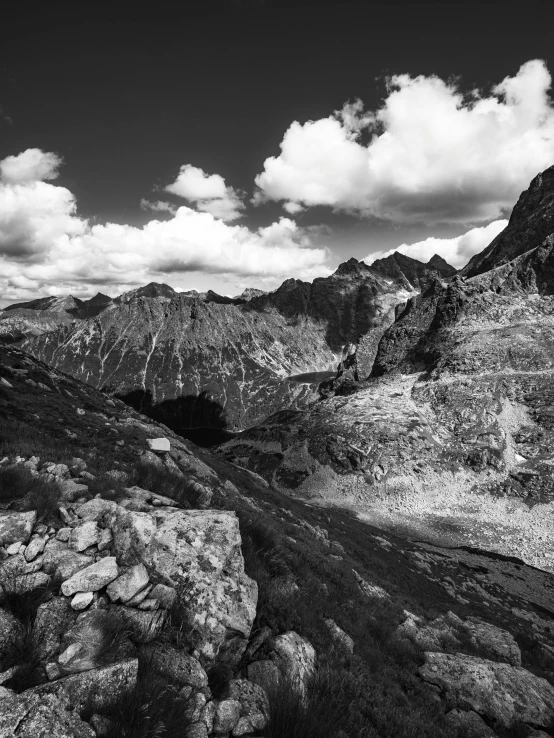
(32, 165)
(434, 154)
(456, 251)
(208, 191)
(45, 248)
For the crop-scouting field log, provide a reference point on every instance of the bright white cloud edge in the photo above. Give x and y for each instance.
(435, 155)
(456, 251)
(46, 248)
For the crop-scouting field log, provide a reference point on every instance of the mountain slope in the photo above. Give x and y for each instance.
(415, 613)
(452, 436)
(214, 361)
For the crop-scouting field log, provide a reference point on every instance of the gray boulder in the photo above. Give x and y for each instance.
(500, 692)
(96, 690)
(198, 553)
(31, 715)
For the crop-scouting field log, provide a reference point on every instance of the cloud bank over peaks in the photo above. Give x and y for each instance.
(46, 248)
(208, 192)
(435, 154)
(456, 251)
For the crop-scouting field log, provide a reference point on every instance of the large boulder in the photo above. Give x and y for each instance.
(176, 665)
(500, 692)
(199, 554)
(30, 715)
(96, 690)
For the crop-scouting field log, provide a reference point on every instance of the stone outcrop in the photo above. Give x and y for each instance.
(505, 694)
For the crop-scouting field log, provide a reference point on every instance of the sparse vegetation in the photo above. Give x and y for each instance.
(153, 709)
(23, 652)
(21, 490)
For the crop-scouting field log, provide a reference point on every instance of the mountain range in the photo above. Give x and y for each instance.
(195, 360)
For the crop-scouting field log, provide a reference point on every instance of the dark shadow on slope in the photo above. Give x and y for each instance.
(198, 418)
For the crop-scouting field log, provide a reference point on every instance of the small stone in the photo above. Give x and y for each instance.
(106, 539)
(159, 444)
(82, 600)
(53, 671)
(14, 548)
(35, 547)
(128, 584)
(149, 604)
(101, 724)
(84, 535)
(63, 534)
(92, 578)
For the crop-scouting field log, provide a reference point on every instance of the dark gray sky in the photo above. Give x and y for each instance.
(127, 99)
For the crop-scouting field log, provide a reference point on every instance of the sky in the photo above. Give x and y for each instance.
(240, 143)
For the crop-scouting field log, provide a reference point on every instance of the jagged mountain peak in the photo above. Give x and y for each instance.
(352, 268)
(52, 304)
(152, 289)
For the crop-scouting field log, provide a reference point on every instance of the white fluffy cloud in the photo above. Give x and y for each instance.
(32, 165)
(434, 155)
(46, 248)
(456, 251)
(208, 191)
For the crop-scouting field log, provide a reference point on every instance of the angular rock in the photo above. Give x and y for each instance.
(176, 665)
(53, 620)
(252, 697)
(29, 582)
(16, 526)
(296, 658)
(507, 694)
(99, 510)
(61, 562)
(128, 584)
(340, 636)
(82, 600)
(34, 548)
(158, 444)
(196, 730)
(9, 627)
(96, 689)
(85, 535)
(200, 552)
(227, 715)
(30, 715)
(92, 578)
(70, 490)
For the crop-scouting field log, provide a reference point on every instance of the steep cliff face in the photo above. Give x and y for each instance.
(192, 360)
(532, 220)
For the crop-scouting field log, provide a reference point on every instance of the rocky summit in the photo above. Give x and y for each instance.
(194, 360)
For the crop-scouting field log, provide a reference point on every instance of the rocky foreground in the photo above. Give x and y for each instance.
(231, 606)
